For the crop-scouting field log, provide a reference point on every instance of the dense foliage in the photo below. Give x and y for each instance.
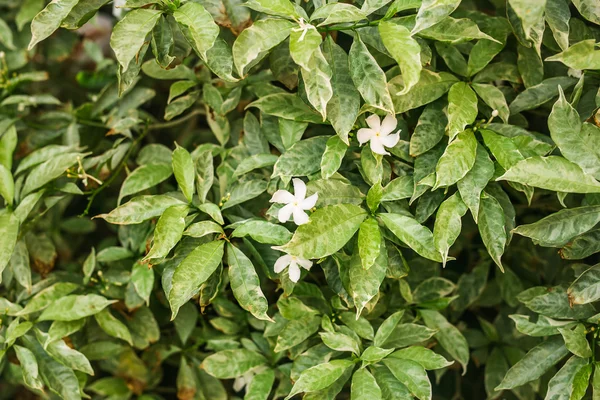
(217, 199)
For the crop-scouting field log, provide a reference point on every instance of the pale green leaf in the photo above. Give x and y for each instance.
(168, 232)
(457, 160)
(405, 50)
(193, 271)
(74, 307)
(129, 34)
(328, 230)
(416, 236)
(49, 19)
(462, 108)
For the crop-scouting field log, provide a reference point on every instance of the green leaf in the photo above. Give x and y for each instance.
(374, 354)
(228, 364)
(369, 242)
(254, 43)
(454, 31)
(244, 191)
(140, 209)
(203, 228)
(193, 271)
(557, 16)
(448, 336)
(491, 224)
(204, 174)
(317, 82)
(260, 386)
(297, 331)
(46, 296)
(387, 327)
(7, 185)
(364, 284)
(335, 150)
(72, 307)
(281, 8)
(48, 171)
(328, 230)
(129, 34)
(582, 246)
(529, 12)
(255, 161)
(589, 9)
(398, 189)
(537, 95)
(552, 173)
(427, 358)
(412, 375)
(575, 340)
(9, 230)
(340, 342)
(342, 109)
(168, 232)
(142, 278)
(433, 11)
(559, 228)
(19, 264)
(49, 19)
(430, 87)
(245, 284)
(586, 288)
(364, 386)
(197, 26)
(561, 384)
(416, 236)
(183, 168)
(472, 184)
(263, 232)
(286, 105)
(575, 144)
(408, 334)
(320, 377)
(448, 224)
(82, 13)
(462, 108)
(391, 387)
(303, 45)
(336, 13)
(144, 177)
(112, 326)
(493, 97)
(368, 77)
(405, 50)
(457, 160)
(59, 378)
(535, 363)
(429, 130)
(29, 366)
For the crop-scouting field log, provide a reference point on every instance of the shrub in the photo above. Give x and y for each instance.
(272, 199)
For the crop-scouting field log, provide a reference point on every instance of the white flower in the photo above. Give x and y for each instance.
(292, 262)
(379, 133)
(118, 7)
(294, 203)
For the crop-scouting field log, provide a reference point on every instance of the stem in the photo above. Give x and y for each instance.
(116, 172)
(348, 27)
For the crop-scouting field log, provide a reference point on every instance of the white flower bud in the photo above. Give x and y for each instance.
(495, 113)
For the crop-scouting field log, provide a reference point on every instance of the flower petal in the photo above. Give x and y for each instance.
(377, 147)
(299, 189)
(285, 213)
(300, 217)
(294, 272)
(364, 135)
(282, 262)
(391, 140)
(388, 125)
(282, 196)
(306, 264)
(374, 122)
(309, 202)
